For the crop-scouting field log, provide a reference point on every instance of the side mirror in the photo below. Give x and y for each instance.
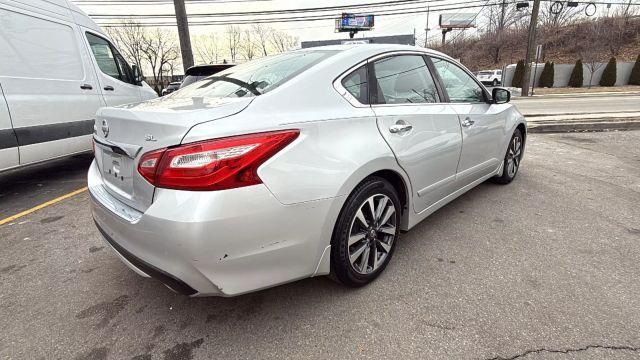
(137, 74)
(500, 95)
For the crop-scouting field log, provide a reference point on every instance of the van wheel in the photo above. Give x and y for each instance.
(366, 233)
(511, 159)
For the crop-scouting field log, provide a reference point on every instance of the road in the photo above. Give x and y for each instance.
(578, 104)
(544, 268)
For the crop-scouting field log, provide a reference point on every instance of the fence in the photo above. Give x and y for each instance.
(562, 73)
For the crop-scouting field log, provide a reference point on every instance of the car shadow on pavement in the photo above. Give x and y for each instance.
(23, 188)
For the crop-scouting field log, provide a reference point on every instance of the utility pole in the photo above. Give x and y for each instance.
(531, 43)
(183, 34)
(426, 29)
(501, 25)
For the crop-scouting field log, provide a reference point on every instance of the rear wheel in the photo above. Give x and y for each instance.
(511, 159)
(366, 233)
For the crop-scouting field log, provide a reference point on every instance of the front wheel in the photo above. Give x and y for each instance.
(511, 159)
(495, 82)
(366, 233)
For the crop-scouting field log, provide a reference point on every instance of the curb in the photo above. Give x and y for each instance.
(611, 124)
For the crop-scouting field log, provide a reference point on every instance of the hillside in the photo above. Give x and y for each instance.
(597, 39)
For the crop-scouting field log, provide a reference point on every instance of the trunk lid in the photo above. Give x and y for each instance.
(123, 134)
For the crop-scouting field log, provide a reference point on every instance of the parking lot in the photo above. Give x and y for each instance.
(544, 268)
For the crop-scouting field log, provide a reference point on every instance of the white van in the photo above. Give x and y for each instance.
(56, 69)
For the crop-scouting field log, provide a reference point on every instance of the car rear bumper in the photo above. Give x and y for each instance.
(215, 243)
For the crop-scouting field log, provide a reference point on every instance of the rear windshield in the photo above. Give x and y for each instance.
(255, 77)
(190, 79)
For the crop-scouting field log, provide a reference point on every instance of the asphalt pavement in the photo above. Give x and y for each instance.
(544, 268)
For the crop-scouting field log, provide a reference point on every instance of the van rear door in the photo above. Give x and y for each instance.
(49, 86)
(8, 141)
(117, 83)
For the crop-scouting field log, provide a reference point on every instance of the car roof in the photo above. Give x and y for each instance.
(374, 49)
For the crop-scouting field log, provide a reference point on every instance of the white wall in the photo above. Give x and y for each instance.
(562, 73)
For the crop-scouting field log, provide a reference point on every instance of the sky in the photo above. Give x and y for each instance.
(305, 30)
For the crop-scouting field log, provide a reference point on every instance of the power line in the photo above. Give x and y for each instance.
(157, 2)
(275, 12)
(472, 20)
(464, 5)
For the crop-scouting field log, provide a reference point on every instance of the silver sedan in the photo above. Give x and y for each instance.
(302, 164)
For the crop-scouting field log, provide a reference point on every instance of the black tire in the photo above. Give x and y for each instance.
(495, 82)
(507, 174)
(342, 269)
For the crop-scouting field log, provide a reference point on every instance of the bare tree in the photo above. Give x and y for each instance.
(234, 36)
(628, 10)
(554, 15)
(591, 50)
(500, 17)
(130, 39)
(161, 53)
(262, 37)
(282, 41)
(248, 46)
(207, 48)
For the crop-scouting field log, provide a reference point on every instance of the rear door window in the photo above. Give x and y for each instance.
(404, 79)
(357, 85)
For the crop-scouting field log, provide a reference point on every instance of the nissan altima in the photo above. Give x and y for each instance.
(302, 164)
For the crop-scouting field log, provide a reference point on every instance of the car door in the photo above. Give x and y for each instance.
(8, 142)
(49, 86)
(114, 74)
(482, 123)
(422, 130)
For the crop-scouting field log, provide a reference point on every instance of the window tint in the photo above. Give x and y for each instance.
(254, 77)
(356, 84)
(460, 86)
(404, 79)
(126, 75)
(104, 56)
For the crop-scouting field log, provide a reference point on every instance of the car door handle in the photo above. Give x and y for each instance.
(400, 127)
(467, 122)
(86, 87)
(109, 88)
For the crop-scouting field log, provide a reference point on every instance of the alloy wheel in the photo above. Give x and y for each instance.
(371, 235)
(513, 156)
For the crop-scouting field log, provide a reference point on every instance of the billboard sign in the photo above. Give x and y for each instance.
(457, 21)
(357, 22)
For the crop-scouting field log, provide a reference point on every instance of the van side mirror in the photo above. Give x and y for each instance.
(137, 74)
(500, 95)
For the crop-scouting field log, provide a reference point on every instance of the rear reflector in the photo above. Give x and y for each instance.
(218, 164)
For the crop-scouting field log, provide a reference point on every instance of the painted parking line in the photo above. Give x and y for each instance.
(42, 206)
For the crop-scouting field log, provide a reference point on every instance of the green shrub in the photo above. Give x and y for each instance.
(576, 79)
(518, 74)
(609, 74)
(546, 77)
(634, 79)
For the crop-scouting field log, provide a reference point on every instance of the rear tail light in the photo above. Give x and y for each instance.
(217, 164)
